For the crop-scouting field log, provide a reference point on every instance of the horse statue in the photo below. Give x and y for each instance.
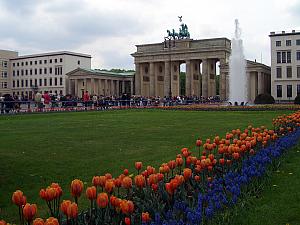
(183, 31)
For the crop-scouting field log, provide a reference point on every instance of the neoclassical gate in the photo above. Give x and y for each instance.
(158, 67)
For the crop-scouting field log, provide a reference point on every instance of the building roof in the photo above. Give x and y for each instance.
(101, 73)
(283, 33)
(52, 54)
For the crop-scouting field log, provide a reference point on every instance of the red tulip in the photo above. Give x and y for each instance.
(139, 181)
(91, 193)
(64, 206)
(145, 217)
(76, 187)
(72, 211)
(18, 198)
(38, 221)
(138, 165)
(127, 221)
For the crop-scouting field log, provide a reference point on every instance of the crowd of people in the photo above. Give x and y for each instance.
(14, 104)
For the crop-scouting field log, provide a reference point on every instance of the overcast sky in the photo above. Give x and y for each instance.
(109, 30)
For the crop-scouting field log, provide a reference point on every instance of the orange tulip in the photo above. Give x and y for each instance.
(179, 161)
(145, 217)
(38, 221)
(127, 207)
(109, 186)
(127, 182)
(108, 176)
(172, 164)
(91, 193)
(18, 198)
(57, 189)
(76, 187)
(139, 181)
(72, 211)
(102, 200)
(51, 221)
(96, 181)
(187, 173)
(64, 206)
(29, 211)
(197, 178)
(102, 180)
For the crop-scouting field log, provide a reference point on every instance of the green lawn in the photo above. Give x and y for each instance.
(36, 150)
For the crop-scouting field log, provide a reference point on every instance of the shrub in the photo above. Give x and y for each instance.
(264, 99)
(297, 100)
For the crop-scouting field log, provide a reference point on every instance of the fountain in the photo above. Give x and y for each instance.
(237, 70)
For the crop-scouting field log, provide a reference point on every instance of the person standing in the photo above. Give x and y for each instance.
(86, 99)
(47, 99)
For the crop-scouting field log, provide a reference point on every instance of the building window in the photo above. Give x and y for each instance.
(30, 81)
(279, 91)
(298, 89)
(14, 73)
(22, 83)
(78, 62)
(278, 57)
(55, 60)
(283, 59)
(60, 60)
(298, 55)
(40, 82)
(26, 72)
(45, 70)
(18, 83)
(298, 71)
(41, 61)
(298, 42)
(4, 84)
(26, 83)
(60, 81)
(55, 81)
(26, 63)
(50, 70)
(45, 61)
(41, 71)
(22, 72)
(35, 62)
(18, 72)
(289, 91)
(278, 72)
(30, 71)
(278, 43)
(35, 71)
(288, 57)
(50, 81)
(35, 82)
(30, 62)
(18, 64)
(14, 64)
(22, 63)
(4, 74)
(14, 83)
(50, 61)
(289, 72)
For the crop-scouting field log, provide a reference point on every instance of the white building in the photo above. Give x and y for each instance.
(41, 72)
(285, 65)
(5, 70)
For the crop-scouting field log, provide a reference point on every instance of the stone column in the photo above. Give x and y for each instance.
(205, 78)
(92, 86)
(188, 79)
(131, 87)
(123, 86)
(118, 88)
(85, 84)
(260, 82)
(222, 81)
(138, 79)
(76, 87)
(99, 87)
(167, 79)
(69, 91)
(105, 88)
(152, 79)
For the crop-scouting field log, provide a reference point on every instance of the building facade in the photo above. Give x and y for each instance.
(285, 65)
(44, 72)
(157, 67)
(258, 79)
(5, 72)
(99, 82)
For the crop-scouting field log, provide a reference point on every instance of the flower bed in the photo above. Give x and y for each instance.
(191, 189)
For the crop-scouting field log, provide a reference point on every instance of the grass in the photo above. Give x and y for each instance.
(36, 150)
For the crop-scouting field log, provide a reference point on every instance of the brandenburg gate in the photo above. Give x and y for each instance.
(157, 66)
